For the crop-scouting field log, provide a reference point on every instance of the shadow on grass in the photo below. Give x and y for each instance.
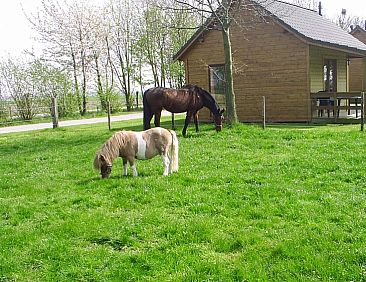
(300, 125)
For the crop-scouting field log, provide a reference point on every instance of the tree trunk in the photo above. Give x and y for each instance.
(77, 91)
(101, 94)
(231, 114)
(83, 68)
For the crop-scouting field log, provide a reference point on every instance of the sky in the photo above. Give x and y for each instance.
(17, 35)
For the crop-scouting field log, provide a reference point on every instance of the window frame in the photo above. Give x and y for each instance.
(211, 68)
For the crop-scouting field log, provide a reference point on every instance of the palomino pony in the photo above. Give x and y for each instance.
(190, 99)
(130, 145)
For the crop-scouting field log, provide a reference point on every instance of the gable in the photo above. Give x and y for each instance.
(359, 33)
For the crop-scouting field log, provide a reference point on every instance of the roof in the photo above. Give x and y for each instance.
(311, 26)
(306, 24)
(357, 29)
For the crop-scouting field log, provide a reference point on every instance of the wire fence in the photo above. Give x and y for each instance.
(335, 108)
(10, 115)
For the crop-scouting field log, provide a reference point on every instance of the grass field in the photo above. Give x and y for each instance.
(282, 204)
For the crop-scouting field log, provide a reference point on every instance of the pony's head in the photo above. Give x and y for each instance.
(104, 166)
(218, 118)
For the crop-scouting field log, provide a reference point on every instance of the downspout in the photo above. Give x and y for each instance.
(364, 74)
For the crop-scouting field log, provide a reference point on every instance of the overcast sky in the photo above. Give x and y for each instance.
(16, 34)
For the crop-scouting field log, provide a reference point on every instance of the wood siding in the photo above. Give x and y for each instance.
(268, 61)
(356, 66)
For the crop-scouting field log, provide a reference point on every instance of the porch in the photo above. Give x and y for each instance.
(338, 107)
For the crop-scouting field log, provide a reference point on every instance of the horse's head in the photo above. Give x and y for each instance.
(218, 118)
(105, 167)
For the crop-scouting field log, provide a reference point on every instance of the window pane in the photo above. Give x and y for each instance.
(330, 75)
(217, 83)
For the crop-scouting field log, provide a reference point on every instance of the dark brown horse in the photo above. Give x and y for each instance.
(190, 99)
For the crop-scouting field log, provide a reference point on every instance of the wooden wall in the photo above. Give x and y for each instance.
(268, 61)
(356, 67)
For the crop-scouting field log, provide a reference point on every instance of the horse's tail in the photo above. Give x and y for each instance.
(147, 111)
(174, 155)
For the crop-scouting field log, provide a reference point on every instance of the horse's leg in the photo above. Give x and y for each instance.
(173, 122)
(195, 117)
(125, 167)
(166, 162)
(147, 120)
(186, 123)
(157, 119)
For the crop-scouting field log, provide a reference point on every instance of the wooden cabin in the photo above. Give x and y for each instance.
(285, 56)
(357, 66)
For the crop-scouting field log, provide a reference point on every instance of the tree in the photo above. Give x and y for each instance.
(309, 4)
(123, 40)
(160, 36)
(221, 15)
(19, 85)
(65, 27)
(51, 82)
(346, 21)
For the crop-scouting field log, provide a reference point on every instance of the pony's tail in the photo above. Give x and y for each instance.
(174, 155)
(146, 110)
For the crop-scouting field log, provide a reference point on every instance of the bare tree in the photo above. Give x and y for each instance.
(123, 39)
(309, 4)
(65, 28)
(162, 32)
(346, 22)
(222, 15)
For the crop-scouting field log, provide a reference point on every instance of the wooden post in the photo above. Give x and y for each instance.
(264, 112)
(54, 112)
(109, 114)
(362, 110)
(137, 99)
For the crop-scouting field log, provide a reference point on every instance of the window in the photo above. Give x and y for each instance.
(330, 75)
(217, 83)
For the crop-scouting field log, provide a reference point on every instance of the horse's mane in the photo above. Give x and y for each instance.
(206, 95)
(110, 149)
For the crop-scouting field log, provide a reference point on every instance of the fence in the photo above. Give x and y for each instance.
(338, 107)
(10, 114)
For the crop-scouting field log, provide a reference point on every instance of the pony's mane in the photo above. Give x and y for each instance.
(110, 149)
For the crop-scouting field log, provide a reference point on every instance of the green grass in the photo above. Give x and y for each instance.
(283, 204)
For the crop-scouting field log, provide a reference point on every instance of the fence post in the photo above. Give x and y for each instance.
(362, 110)
(264, 112)
(137, 99)
(109, 114)
(54, 112)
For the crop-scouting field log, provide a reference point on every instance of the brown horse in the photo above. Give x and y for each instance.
(190, 99)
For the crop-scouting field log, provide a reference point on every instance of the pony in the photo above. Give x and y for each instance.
(131, 145)
(190, 99)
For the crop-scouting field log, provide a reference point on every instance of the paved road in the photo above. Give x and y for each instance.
(29, 127)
